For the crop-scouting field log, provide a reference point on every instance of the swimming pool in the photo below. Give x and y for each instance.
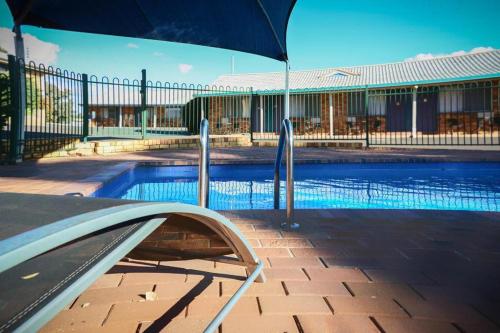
(447, 186)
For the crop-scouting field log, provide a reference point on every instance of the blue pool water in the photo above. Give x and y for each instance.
(448, 186)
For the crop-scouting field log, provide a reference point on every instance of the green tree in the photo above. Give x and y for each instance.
(5, 109)
(34, 95)
(59, 102)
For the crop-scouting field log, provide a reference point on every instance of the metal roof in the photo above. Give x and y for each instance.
(440, 69)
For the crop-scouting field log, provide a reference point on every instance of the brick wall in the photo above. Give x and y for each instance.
(495, 98)
(243, 125)
(215, 114)
(77, 148)
(377, 123)
(180, 238)
(458, 122)
(325, 113)
(37, 148)
(339, 101)
(339, 113)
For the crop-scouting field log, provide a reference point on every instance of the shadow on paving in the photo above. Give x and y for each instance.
(448, 261)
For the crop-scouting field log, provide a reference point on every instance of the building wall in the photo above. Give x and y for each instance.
(340, 126)
(458, 122)
(223, 122)
(377, 124)
(325, 113)
(495, 98)
(225, 113)
(128, 116)
(215, 114)
(128, 119)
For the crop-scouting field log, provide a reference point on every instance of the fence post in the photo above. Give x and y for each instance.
(367, 118)
(18, 108)
(85, 104)
(144, 111)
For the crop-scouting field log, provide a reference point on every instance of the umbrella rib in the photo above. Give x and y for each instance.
(145, 16)
(271, 26)
(23, 13)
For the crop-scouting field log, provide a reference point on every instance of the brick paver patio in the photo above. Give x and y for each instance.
(343, 271)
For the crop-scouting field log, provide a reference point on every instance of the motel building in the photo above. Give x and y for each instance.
(452, 96)
(116, 108)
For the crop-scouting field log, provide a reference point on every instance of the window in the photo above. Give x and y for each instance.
(173, 111)
(245, 104)
(451, 100)
(477, 98)
(376, 105)
(305, 106)
(297, 106)
(236, 107)
(356, 103)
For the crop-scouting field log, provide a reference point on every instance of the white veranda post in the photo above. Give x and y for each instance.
(414, 113)
(287, 90)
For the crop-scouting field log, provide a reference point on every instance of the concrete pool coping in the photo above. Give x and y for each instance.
(87, 174)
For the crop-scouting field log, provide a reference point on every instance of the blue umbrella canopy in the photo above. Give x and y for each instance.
(252, 26)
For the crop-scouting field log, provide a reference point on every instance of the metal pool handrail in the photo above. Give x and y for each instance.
(204, 165)
(286, 137)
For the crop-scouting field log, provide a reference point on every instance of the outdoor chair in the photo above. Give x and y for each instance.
(226, 126)
(353, 126)
(52, 248)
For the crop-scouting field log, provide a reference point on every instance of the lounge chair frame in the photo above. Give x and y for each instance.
(22, 247)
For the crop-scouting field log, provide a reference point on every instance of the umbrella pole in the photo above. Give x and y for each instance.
(18, 42)
(21, 114)
(287, 90)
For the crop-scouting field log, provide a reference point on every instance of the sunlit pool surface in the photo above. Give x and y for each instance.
(446, 186)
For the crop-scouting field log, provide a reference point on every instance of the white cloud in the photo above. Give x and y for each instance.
(185, 68)
(35, 49)
(132, 46)
(158, 54)
(425, 56)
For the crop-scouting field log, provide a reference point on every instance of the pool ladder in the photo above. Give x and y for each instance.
(286, 138)
(204, 165)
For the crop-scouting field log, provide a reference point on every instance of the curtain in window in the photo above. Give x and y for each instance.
(451, 101)
(377, 105)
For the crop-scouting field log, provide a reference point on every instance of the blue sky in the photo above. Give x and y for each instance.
(322, 33)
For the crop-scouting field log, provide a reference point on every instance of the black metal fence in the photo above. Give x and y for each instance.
(456, 114)
(448, 114)
(119, 108)
(61, 108)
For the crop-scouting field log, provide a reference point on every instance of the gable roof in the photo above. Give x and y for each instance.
(470, 66)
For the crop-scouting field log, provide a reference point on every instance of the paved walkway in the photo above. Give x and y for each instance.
(344, 271)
